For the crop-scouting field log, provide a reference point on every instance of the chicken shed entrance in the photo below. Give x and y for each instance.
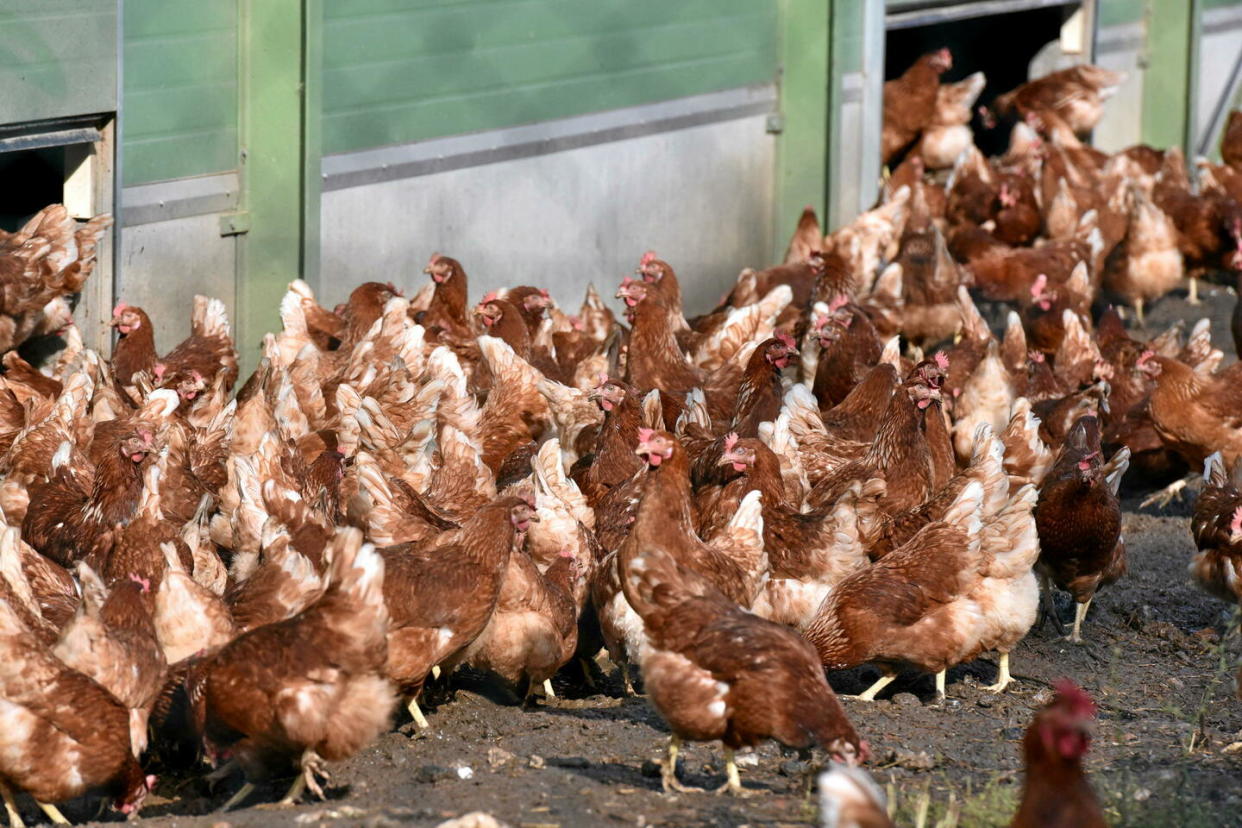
(997, 37)
(67, 161)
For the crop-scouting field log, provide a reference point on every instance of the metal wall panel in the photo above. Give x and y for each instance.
(57, 58)
(180, 89)
(700, 197)
(397, 71)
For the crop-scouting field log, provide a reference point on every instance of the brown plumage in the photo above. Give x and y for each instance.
(1056, 791)
(1217, 529)
(910, 102)
(1078, 518)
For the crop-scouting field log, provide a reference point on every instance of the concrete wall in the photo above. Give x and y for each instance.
(569, 209)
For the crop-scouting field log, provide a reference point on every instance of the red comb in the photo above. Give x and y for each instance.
(942, 361)
(435, 257)
(1074, 697)
(645, 434)
(490, 297)
(647, 258)
(1236, 523)
(1146, 355)
(140, 581)
(839, 301)
(786, 340)
(119, 309)
(1041, 281)
(1036, 356)
(730, 440)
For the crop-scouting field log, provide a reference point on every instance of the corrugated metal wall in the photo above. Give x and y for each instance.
(180, 90)
(57, 58)
(397, 71)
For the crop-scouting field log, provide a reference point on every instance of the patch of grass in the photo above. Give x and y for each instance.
(940, 803)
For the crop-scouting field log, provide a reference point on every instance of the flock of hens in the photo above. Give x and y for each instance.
(730, 504)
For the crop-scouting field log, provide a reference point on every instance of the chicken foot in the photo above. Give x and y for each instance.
(312, 766)
(1192, 293)
(1168, 494)
(668, 773)
(1003, 678)
(547, 689)
(874, 690)
(733, 783)
(10, 806)
(1080, 613)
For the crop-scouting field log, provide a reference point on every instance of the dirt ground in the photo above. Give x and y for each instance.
(1158, 660)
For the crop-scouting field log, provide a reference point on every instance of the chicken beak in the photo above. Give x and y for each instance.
(725, 459)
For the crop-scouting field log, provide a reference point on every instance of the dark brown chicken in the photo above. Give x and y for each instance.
(1078, 518)
(1056, 792)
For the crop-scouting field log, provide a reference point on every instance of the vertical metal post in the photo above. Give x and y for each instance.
(1169, 82)
(802, 147)
(312, 145)
(270, 254)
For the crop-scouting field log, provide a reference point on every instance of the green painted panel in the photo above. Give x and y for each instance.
(181, 105)
(406, 70)
(802, 146)
(1120, 12)
(57, 58)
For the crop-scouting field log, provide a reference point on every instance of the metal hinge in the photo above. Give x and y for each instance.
(235, 224)
(775, 124)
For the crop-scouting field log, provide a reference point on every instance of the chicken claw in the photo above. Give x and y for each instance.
(1167, 495)
(668, 773)
(733, 784)
(417, 713)
(1003, 678)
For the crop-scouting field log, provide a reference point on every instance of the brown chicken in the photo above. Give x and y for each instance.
(441, 595)
(849, 798)
(303, 691)
(1217, 529)
(1079, 521)
(1056, 792)
(1075, 95)
(910, 102)
(192, 366)
(61, 733)
(712, 670)
(909, 607)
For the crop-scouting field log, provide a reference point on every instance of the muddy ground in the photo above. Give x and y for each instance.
(1155, 660)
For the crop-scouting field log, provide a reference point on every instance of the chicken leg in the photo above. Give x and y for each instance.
(547, 689)
(874, 690)
(733, 782)
(10, 807)
(1003, 679)
(417, 713)
(1192, 294)
(1048, 608)
(312, 766)
(668, 774)
(1080, 613)
(940, 679)
(53, 813)
(244, 791)
(1138, 313)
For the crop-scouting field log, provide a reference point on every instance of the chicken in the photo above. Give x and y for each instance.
(1217, 529)
(42, 265)
(189, 368)
(849, 798)
(948, 133)
(910, 102)
(306, 690)
(441, 595)
(446, 315)
(1056, 791)
(112, 639)
(1075, 95)
(534, 628)
(1147, 264)
(908, 608)
(1079, 521)
(712, 670)
(61, 733)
